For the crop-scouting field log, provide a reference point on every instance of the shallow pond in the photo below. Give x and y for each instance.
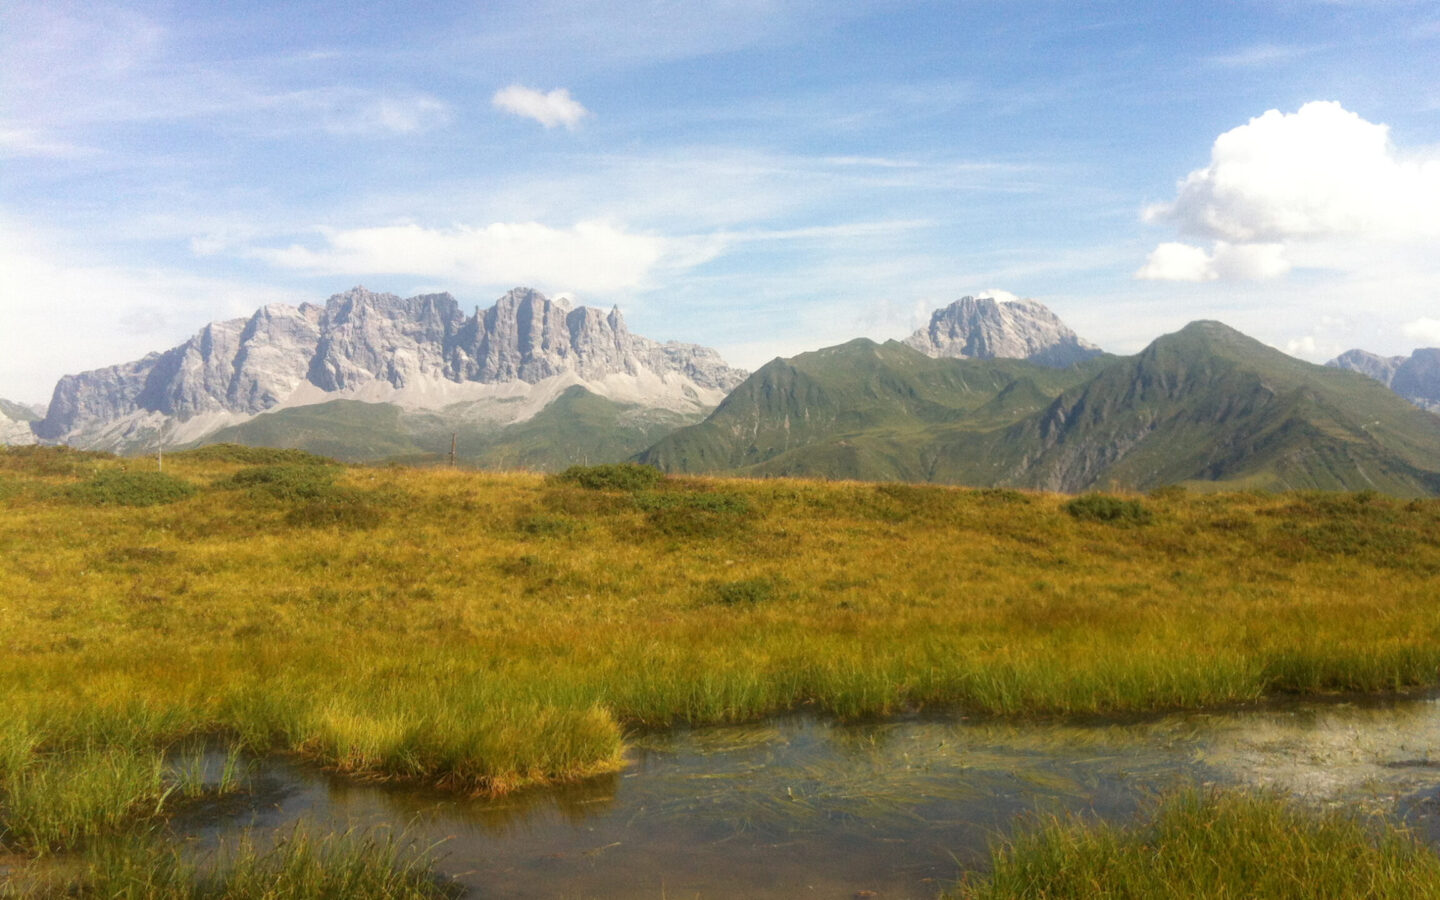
(804, 807)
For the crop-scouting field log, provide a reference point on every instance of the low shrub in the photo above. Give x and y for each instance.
(747, 590)
(34, 459)
(254, 456)
(121, 488)
(1105, 508)
(285, 482)
(612, 477)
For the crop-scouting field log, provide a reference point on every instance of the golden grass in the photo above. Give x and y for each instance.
(486, 631)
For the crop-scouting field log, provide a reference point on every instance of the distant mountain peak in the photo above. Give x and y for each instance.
(380, 345)
(987, 328)
(1415, 377)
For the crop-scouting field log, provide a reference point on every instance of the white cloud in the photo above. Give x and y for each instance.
(591, 256)
(1229, 262)
(997, 294)
(62, 313)
(1177, 262)
(1424, 329)
(555, 108)
(1319, 172)
(1318, 185)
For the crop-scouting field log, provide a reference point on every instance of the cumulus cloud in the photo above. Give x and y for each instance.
(591, 256)
(1229, 262)
(549, 109)
(1285, 179)
(1425, 330)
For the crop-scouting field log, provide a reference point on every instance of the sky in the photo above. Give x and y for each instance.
(760, 176)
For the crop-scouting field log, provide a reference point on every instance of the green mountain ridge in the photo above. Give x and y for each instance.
(575, 428)
(1204, 406)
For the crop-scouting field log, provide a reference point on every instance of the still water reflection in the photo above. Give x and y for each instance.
(802, 807)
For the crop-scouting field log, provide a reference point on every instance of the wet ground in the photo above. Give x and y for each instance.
(804, 807)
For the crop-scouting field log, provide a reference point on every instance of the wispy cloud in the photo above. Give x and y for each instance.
(1258, 55)
(591, 256)
(556, 107)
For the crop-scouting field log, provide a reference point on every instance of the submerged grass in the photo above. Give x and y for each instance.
(1212, 844)
(488, 631)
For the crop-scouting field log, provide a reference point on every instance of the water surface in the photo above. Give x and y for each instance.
(805, 807)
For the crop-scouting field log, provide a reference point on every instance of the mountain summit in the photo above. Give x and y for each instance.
(1415, 377)
(986, 328)
(506, 363)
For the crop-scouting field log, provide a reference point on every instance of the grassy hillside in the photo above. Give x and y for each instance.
(1204, 406)
(577, 427)
(486, 631)
(859, 410)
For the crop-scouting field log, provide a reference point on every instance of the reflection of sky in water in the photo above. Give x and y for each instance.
(800, 806)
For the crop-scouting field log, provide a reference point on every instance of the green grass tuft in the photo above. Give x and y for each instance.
(1212, 844)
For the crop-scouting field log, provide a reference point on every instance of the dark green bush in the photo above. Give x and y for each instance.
(285, 482)
(612, 477)
(34, 459)
(254, 456)
(1105, 508)
(748, 590)
(121, 488)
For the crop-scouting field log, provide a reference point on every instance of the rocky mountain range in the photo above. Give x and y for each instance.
(986, 328)
(989, 393)
(498, 366)
(1415, 377)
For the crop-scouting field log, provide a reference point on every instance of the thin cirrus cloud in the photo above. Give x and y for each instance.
(550, 109)
(590, 256)
(1287, 180)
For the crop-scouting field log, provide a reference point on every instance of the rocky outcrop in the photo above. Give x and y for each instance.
(359, 341)
(15, 419)
(986, 328)
(1415, 377)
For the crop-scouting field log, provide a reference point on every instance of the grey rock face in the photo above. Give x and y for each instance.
(985, 328)
(359, 338)
(1380, 368)
(15, 422)
(1418, 379)
(1415, 377)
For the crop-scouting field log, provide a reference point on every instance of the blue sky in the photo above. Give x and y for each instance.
(763, 177)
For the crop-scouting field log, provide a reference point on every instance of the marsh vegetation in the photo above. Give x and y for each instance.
(485, 632)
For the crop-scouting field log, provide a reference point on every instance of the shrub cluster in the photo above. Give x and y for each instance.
(1105, 508)
(285, 482)
(254, 456)
(612, 477)
(121, 488)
